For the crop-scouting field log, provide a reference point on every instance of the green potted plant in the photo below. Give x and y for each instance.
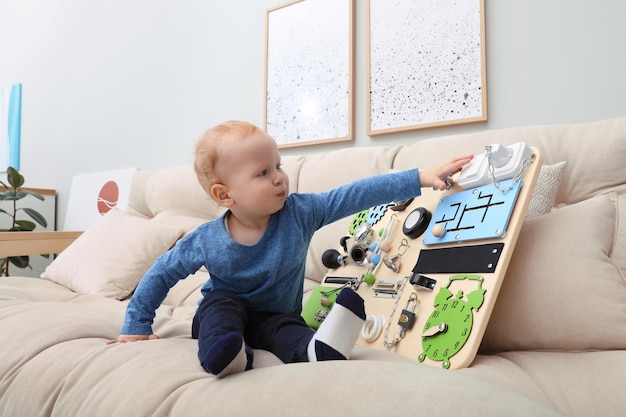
(12, 194)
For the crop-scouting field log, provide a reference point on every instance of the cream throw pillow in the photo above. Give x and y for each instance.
(545, 191)
(562, 290)
(110, 257)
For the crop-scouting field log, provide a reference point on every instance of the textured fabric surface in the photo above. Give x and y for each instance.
(562, 289)
(69, 370)
(545, 191)
(111, 256)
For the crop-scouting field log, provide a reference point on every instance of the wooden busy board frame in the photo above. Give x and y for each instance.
(445, 304)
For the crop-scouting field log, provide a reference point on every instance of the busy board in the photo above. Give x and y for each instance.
(430, 269)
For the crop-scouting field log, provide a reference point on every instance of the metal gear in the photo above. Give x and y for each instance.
(357, 220)
(376, 213)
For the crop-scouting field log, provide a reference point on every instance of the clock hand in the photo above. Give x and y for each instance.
(435, 330)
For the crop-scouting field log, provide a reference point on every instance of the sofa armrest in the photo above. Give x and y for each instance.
(35, 243)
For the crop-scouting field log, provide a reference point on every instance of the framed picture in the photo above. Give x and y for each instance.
(10, 126)
(309, 83)
(426, 64)
(95, 194)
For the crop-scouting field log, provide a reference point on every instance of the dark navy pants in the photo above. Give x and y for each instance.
(221, 312)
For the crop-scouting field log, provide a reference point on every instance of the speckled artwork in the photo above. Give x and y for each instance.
(426, 62)
(308, 73)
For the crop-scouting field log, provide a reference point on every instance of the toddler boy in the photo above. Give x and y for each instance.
(255, 254)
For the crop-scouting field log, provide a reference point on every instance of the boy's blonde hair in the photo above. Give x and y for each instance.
(209, 145)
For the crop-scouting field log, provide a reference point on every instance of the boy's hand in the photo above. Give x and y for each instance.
(434, 177)
(128, 338)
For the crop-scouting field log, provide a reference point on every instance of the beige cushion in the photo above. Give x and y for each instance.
(562, 290)
(619, 253)
(545, 191)
(172, 196)
(111, 256)
(591, 168)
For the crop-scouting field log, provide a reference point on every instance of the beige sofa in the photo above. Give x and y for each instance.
(555, 345)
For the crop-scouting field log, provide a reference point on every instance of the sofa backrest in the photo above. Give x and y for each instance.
(171, 195)
(594, 153)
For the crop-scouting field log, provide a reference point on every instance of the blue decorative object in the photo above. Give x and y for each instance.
(478, 213)
(10, 126)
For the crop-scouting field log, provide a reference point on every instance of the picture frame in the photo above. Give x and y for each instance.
(94, 194)
(426, 64)
(309, 72)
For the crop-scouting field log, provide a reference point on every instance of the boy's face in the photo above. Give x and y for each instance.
(251, 172)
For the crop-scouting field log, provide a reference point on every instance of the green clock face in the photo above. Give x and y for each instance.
(450, 324)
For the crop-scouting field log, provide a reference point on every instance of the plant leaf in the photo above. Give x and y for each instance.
(20, 261)
(7, 195)
(36, 195)
(36, 216)
(15, 178)
(10, 195)
(24, 226)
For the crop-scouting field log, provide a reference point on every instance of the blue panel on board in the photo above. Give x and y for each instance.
(478, 213)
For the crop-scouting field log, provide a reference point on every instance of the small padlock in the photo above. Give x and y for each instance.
(407, 317)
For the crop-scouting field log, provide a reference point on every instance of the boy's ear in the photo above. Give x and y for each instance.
(220, 194)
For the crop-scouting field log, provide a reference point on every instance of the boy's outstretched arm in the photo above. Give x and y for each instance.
(434, 177)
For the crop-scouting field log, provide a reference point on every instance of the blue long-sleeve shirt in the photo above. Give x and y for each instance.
(269, 275)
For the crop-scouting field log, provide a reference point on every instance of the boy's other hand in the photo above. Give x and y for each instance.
(129, 338)
(435, 177)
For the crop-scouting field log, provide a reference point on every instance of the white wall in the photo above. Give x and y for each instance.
(118, 84)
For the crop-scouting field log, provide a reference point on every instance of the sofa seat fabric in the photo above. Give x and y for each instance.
(64, 367)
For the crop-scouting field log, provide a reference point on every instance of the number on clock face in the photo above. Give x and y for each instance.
(449, 326)
(445, 344)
